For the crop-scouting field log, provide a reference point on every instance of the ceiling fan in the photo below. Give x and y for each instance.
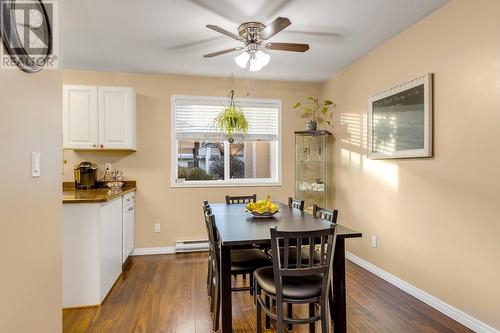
(255, 36)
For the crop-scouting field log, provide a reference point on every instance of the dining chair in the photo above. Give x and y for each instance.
(294, 282)
(242, 262)
(325, 213)
(210, 270)
(297, 204)
(241, 199)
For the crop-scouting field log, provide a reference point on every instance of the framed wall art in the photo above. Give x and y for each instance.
(400, 121)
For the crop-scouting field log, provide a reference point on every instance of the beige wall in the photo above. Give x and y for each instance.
(30, 255)
(438, 220)
(178, 210)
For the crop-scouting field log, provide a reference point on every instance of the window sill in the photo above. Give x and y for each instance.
(235, 184)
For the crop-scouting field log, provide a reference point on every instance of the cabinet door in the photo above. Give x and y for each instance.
(80, 117)
(128, 231)
(117, 118)
(111, 244)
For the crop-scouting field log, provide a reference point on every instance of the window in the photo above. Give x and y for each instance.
(203, 157)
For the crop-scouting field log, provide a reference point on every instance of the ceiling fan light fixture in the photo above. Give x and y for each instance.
(262, 58)
(252, 60)
(242, 59)
(254, 66)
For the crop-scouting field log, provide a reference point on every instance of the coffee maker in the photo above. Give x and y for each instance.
(85, 176)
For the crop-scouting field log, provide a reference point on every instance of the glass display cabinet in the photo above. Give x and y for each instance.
(313, 168)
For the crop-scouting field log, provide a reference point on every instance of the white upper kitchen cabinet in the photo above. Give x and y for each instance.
(80, 117)
(99, 118)
(117, 118)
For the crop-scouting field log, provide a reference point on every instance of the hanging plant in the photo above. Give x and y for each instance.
(231, 120)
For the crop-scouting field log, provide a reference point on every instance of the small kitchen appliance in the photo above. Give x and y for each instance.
(85, 176)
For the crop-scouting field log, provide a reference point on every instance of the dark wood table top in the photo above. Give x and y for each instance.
(237, 227)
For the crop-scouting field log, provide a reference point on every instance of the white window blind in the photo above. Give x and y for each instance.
(194, 118)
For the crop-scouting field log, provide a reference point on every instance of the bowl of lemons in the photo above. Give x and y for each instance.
(263, 209)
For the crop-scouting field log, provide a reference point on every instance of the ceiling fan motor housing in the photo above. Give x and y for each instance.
(250, 31)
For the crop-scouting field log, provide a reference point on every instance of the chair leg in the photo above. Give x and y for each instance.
(210, 283)
(213, 299)
(217, 309)
(211, 289)
(324, 317)
(280, 327)
(312, 326)
(290, 315)
(251, 284)
(268, 305)
(259, 311)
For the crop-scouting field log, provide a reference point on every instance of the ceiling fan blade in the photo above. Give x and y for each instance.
(274, 27)
(218, 53)
(294, 47)
(224, 32)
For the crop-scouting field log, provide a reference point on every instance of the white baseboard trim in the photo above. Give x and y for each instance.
(153, 250)
(448, 310)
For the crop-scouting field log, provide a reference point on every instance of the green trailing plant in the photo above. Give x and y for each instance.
(231, 120)
(318, 110)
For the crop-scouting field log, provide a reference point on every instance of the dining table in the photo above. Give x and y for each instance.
(236, 227)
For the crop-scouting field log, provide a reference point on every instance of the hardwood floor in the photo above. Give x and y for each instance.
(167, 293)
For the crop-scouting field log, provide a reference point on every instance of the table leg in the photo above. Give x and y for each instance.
(338, 305)
(225, 290)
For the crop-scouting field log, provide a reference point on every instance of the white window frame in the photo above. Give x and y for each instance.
(276, 171)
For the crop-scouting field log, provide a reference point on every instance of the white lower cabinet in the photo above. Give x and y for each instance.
(128, 225)
(92, 240)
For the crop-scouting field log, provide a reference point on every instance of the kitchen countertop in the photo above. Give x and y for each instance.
(101, 194)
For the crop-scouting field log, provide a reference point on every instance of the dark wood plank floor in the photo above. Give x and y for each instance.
(167, 293)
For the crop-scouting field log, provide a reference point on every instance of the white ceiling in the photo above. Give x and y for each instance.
(169, 36)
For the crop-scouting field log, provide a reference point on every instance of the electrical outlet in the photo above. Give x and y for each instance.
(107, 166)
(374, 241)
(157, 227)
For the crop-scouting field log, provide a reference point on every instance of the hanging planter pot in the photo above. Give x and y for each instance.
(231, 120)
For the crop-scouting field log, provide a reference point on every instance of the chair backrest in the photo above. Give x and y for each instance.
(241, 199)
(212, 240)
(297, 204)
(325, 214)
(320, 254)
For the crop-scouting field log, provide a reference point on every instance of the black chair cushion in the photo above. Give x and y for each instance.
(248, 260)
(292, 255)
(293, 287)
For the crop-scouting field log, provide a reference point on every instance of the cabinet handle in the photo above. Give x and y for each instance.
(102, 146)
(94, 146)
(131, 208)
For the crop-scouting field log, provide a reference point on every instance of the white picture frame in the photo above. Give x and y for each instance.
(400, 121)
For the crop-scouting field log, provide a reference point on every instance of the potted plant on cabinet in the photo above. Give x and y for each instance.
(318, 110)
(231, 120)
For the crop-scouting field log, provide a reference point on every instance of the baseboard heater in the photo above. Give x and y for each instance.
(191, 246)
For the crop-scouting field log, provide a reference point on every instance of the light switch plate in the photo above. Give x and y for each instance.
(157, 227)
(374, 241)
(35, 164)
